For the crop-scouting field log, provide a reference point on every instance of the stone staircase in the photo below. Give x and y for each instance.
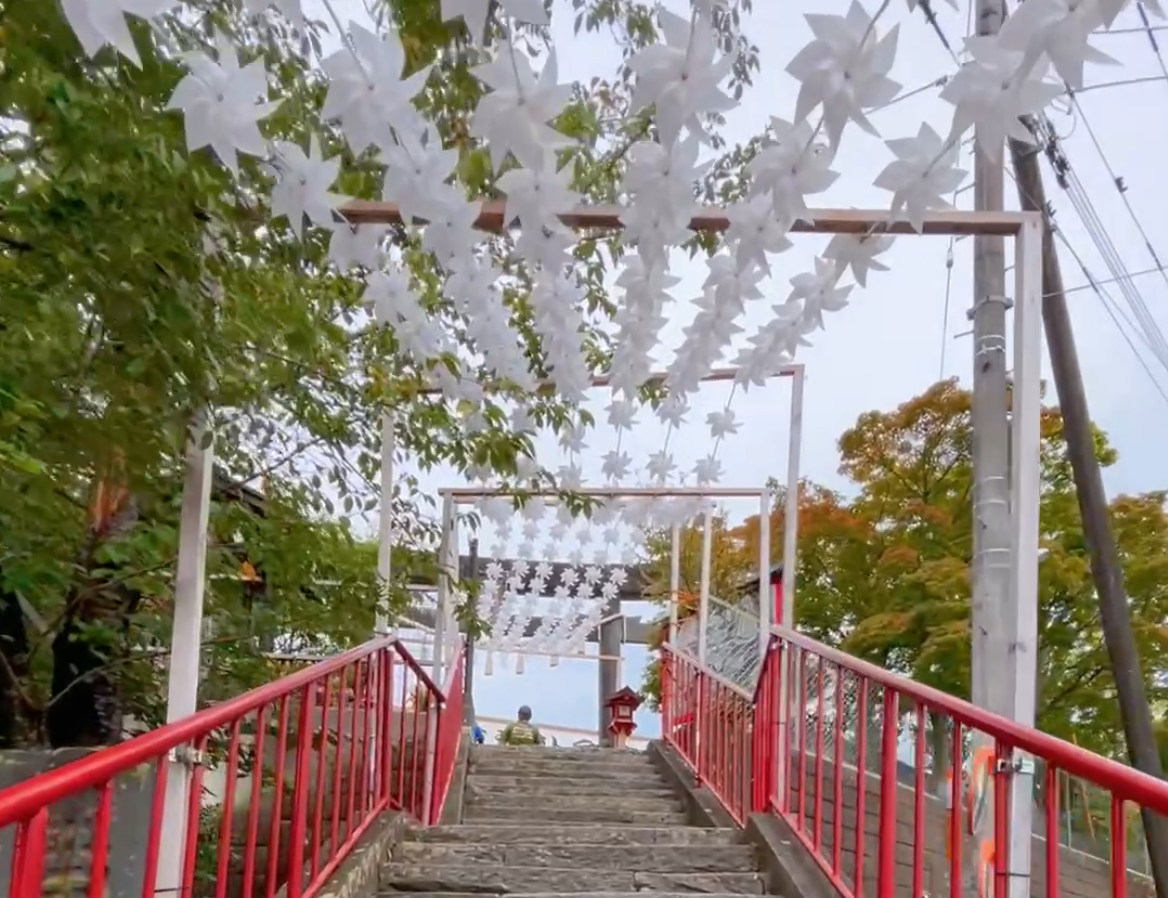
(590, 823)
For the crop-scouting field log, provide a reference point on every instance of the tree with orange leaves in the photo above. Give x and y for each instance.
(883, 569)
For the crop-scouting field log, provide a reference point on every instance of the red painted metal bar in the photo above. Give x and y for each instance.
(313, 732)
(720, 732)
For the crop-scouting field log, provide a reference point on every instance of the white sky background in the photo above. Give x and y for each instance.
(888, 345)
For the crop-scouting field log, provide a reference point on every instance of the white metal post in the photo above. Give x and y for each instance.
(674, 580)
(765, 600)
(791, 521)
(790, 562)
(436, 668)
(185, 644)
(1021, 623)
(385, 526)
(704, 588)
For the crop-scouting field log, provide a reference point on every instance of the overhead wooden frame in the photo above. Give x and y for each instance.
(713, 218)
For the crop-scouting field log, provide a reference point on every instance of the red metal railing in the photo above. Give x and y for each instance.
(859, 763)
(449, 733)
(280, 783)
(708, 720)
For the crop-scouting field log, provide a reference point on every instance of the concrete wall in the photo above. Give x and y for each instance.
(1080, 875)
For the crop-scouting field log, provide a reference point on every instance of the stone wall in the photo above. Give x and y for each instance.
(1080, 875)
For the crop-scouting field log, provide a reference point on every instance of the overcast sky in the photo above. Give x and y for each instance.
(895, 339)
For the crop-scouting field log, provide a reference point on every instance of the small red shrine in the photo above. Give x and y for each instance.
(622, 705)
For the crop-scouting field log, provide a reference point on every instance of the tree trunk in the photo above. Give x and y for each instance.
(86, 705)
(15, 725)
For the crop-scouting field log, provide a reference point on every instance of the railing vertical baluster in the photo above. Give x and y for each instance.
(317, 836)
(837, 741)
(154, 828)
(277, 801)
(99, 847)
(861, 783)
(1118, 838)
(956, 753)
(820, 708)
(886, 845)
(223, 870)
(253, 809)
(194, 807)
(301, 786)
(799, 718)
(918, 847)
(29, 864)
(1050, 789)
(1001, 822)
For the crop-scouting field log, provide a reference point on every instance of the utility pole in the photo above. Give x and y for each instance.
(991, 431)
(994, 672)
(1106, 570)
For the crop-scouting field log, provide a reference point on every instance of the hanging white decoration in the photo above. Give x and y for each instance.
(681, 76)
(102, 23)
(513, 118)
(844, 70)
(222, 103)
(367, 93)
(303, 189)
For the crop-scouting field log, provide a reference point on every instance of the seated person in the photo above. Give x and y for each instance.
(522, 731)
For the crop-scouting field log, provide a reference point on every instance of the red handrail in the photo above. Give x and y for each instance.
(1121, 779)
(365, 740)
(821, 739)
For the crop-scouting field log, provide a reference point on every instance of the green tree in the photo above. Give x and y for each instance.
(141, 289)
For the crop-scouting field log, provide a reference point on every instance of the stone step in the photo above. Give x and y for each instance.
(571, 754)
(656, 894)
(630, 801)
(539, 784)
(578, 834)
(539, 812)
(643, 858)
(502, 880)
(533, 789)
(530, 760)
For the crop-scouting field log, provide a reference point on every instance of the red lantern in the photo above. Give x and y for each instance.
(622, 705)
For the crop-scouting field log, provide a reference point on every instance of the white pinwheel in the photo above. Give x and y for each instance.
(102, 23)
(858, 252)
(367, 92)
(661, 467)
(923, 174)
(845, 69)
(537, 195)
(722, 423)
(352, 245)
(615, 467)
(681, 76)
(1062, 30)
(221, 103)
(622, 414)
(790, 168)
(755, 230)
(514, 117)
(992, 93)
(818, 292)
(303, 188)
(416, 169)
(707, 470)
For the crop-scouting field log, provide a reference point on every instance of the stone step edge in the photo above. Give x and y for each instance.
(477, 868)
(509, 824)
(567, 895)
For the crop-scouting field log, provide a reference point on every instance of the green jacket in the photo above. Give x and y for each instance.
(521, 733)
